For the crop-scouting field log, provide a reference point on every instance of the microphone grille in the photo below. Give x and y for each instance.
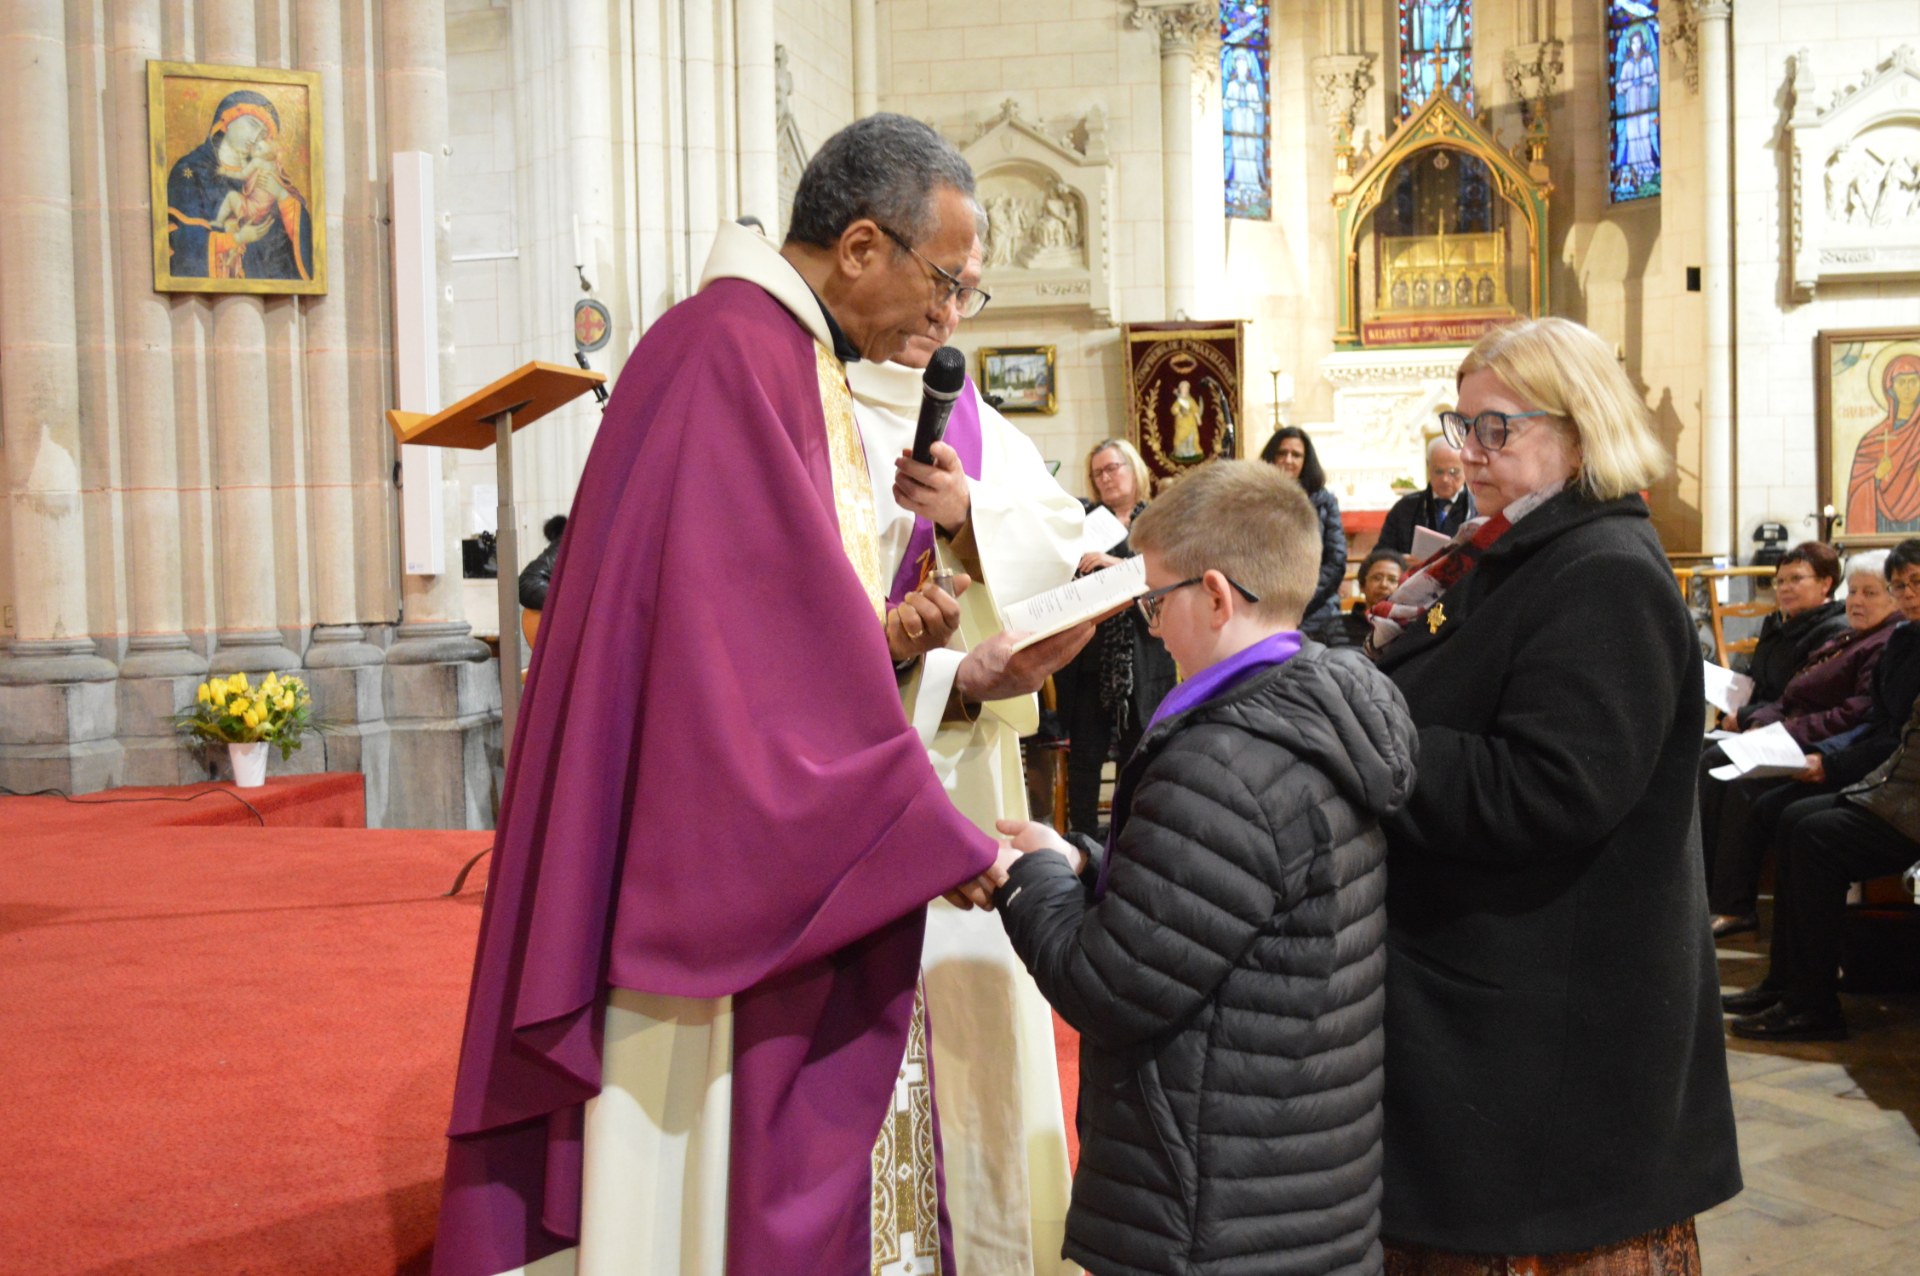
(946, 371)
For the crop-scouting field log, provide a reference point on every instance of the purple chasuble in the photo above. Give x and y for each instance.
(1276, 649)
(963, 436)
(713, 791)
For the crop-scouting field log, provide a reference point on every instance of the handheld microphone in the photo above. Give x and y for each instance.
(946, 373)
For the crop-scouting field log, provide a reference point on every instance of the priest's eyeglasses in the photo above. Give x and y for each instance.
(1149, 602)
(971, 301)
(1491, 430)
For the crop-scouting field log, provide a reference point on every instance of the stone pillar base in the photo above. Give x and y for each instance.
(351, 703)
(156, 752)
(342, 647)
(58, 718)
(443, 723)
(253, 651)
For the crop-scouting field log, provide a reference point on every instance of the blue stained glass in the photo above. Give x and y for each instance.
(1633, 99)
(1436, 49)
(1244, 103)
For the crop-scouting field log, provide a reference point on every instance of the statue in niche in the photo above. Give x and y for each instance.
(1186, 424)
(1007, 218)
(1059, 225)
(1869, 183)
(1442, 292)
(1419, 294)
(1483, 294)
(1400, 296)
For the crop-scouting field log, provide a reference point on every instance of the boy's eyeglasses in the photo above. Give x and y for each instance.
(971, 301)
(1492, 430)
(1149, 602)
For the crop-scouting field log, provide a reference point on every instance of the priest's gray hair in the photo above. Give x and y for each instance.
(885, 167)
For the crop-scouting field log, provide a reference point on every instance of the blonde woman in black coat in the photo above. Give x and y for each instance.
(1556, 1075)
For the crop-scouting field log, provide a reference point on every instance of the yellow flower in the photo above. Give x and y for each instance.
(251, 717)
(271, 684)
(237, 683)
(286, 701)
(239, 707)
(219, 695)
(205, 694)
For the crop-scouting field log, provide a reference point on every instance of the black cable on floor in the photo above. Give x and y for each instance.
(91, 801)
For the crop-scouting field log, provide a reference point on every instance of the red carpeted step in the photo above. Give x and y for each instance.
(328, 799)
(228, 1050)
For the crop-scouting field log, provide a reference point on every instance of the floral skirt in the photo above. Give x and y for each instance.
(1667, 1251)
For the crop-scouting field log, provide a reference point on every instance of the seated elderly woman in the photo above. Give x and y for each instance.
(1803, 588)
(1831, 694)
(1750, 813)
(1556, 1079)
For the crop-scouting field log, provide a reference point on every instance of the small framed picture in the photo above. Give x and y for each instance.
(1021, 377)
(1868, 413)
(237, 169)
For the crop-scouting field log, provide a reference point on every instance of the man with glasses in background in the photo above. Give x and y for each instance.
(1444, 505)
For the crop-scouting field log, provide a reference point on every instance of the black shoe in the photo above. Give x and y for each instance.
(1725, 926)
(1782, 1023)
(1751, 1001)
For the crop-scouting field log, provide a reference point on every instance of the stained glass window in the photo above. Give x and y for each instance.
(1436, 49)
(1633, 99)
(1243, 108)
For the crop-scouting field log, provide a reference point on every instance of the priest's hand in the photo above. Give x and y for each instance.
(1096, 562)
(978, 893)
(994, 671)
(937, 492)
(1029, 836)
(924, 621)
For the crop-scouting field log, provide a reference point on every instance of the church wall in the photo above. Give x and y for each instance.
(818, 38)
(1775, 445)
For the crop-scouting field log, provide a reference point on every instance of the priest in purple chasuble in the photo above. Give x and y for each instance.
(988, 507)
(691, 1036)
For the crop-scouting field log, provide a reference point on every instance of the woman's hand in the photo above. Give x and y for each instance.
(925, 620)
(1029, 836)
(1094, 562)
(1730, 721)
(1815, 771)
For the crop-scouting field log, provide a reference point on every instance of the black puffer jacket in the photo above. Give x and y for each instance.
(1228, 987)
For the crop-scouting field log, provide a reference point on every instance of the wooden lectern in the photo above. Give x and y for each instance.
(487, 419)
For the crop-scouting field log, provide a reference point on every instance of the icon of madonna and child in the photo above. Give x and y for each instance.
(237, 220)
(1883, 483)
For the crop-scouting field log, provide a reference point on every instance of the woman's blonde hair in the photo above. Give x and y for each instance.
(1567, 370)
(1142, 481)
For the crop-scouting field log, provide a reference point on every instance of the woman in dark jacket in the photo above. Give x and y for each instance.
(1109, 691)
(1556, 1076)
(1803, 587)
(1292, 451)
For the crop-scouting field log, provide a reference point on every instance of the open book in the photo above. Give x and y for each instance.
(1045, 615)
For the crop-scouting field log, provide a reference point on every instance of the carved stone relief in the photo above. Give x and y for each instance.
(1048, 201)
(1856, 174)
(1341, 82)
(1384, 409)
(791, 151)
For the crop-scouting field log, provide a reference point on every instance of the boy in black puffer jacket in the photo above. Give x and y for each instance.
(1223, 960)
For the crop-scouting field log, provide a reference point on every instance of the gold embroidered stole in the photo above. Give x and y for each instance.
(852, 485)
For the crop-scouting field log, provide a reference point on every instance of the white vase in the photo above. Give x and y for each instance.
(249, 764)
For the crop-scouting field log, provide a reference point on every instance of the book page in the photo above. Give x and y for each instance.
(1754, 755)
(1103, 531)
(1045, 615)
(1727, 691)
(1427, 543)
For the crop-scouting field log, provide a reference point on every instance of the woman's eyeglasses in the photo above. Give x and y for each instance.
(1491, 430)
(1109, 470)
(1149, 602)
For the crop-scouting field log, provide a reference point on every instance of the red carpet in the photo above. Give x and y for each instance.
(327, 800)
(232, 1049)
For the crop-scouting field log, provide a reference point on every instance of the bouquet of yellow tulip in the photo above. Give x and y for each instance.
(233, 711)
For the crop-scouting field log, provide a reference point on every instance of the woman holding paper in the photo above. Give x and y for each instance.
(1110, 690)
(1546, 914)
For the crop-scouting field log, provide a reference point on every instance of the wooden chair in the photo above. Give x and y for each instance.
(1721, 611)
(529, 625)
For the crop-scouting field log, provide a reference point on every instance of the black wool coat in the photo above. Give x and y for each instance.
(1228, 986)
(1784, 648)
(1556, 1071)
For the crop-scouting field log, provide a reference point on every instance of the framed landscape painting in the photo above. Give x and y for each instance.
(237, 172)
(1868, 405)
(1021, 377)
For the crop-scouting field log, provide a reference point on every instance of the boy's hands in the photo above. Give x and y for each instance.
(1028, 836)
(978, 893)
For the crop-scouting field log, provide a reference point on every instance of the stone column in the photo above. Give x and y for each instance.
(343, 667)
(57, 709)
(1716, 448)
(161, 670)
(758, 155)
(866, 59)
(443, 696)
(249, 636)
(1185, 31)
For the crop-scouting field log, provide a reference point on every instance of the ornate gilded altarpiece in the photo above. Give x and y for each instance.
(1441, 234)
(1184, 393)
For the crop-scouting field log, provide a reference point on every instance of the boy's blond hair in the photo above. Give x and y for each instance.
(1563, 368)
(1244, 519)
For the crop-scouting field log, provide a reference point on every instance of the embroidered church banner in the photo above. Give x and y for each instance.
(237, 169)
(1183, 393)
